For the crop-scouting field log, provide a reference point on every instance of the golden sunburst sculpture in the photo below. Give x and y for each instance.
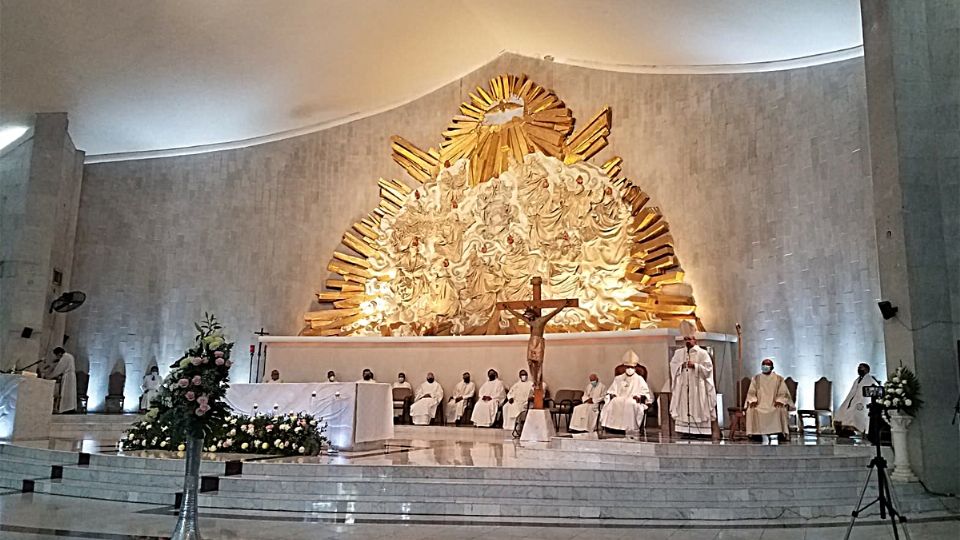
(509, 195)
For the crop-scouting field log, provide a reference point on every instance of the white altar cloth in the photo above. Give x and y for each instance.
(357, 415)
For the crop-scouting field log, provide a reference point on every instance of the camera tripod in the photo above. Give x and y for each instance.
(886, 496)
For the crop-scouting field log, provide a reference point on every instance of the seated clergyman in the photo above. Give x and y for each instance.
(491, 395)
(768, 401)
(331, 376)
(462, 393)
(402, 381)
(627, 399)
(517, 399)
(367, 376)
(429, 395)
(851, 416)
(274, 377)
(584, 417)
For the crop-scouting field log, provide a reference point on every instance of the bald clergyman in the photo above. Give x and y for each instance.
(584, 417)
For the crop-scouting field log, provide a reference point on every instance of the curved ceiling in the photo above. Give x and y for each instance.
(147, 75)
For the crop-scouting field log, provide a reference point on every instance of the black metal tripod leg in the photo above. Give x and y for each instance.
(893, 503)
(855, 513)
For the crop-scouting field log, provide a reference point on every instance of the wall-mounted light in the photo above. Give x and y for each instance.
(10, 134)
(887, 309)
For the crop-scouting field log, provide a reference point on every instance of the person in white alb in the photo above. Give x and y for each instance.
(367, 376)
(768, 401)
(463, 392)
(150, 386)
(491, 395)
(584, 417)
(67, 371)
(402, 381)
(693, 403)
(274, 378)
(429, 395)
(627, 399)
(851, 415)
(517, 398)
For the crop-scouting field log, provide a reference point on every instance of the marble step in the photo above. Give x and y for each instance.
(474, 507)
(740, 463)
(106, 491)
(740, 450)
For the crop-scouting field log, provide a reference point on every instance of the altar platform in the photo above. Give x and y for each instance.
(569, 358)
(480, 476)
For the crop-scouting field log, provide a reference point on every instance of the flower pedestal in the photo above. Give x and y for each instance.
(187, 527)
(899, 424)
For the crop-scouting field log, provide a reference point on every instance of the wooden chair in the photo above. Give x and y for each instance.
(737, 415)
(792, 422)
(114, 401)
(401, 403)
(83, 382)
(563, 404)
(822, 406)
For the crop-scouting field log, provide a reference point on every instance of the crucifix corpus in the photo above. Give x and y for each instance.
(537, 322)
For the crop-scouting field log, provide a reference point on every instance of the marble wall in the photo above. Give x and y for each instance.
(764, 178)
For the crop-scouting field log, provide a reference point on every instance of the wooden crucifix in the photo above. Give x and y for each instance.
(537, 322)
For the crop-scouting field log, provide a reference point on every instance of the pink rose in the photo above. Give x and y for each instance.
(269, 427)
(202, 400)
(200, 411)
(183, 383)
(196, 380)
(219, 361)
(190, 395)
(205, 360)
(195, 361)
(218, 354)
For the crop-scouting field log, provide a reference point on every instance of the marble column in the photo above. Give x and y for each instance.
(40, 179)
(912, 61)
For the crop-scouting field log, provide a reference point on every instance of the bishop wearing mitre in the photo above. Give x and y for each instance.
(627, 399)
(693, 403)
(768, 401)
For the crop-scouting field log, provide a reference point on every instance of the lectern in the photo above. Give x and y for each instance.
(26, 404)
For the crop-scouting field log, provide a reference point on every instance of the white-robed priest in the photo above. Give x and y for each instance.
(150, 386)
(490, 396)
(517, 398)
(462, 393)
(67, 371)
(584, 416)
(852, 414)
(768, 401)
(626, 399)
(429, 395)
(693, 403)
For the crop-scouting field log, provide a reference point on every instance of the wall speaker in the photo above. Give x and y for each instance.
(888, 310)
(26, 332)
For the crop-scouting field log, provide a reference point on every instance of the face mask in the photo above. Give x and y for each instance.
(630, 371)
(862, 373)
(429, 379)
(491, 376)
(466, 379)
(594, 383)
(401, 379)
(766, 369)
(331, 378)
(523, 377)
(367, 376)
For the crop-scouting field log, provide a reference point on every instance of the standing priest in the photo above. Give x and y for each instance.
(627, 399)
(429, 395)
(584, 416)
(491, 394)
(852, 413)
(767, 403)
(693, 403)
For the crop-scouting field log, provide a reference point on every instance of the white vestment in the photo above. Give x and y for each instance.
(423, 408)
(520, 393)
(403, 384)
(271, 381)
(584, 417)
(853, 411)
(485, 412)
(766, 418)
(693, 403)
(66, 370)
(150, 388)
(620, 409)
(455, 408)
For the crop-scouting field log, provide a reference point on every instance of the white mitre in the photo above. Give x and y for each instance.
(687, 329)
(630, 358)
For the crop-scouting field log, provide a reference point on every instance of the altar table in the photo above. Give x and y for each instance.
(357, 415)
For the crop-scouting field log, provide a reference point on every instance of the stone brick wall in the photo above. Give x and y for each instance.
(764, 178)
